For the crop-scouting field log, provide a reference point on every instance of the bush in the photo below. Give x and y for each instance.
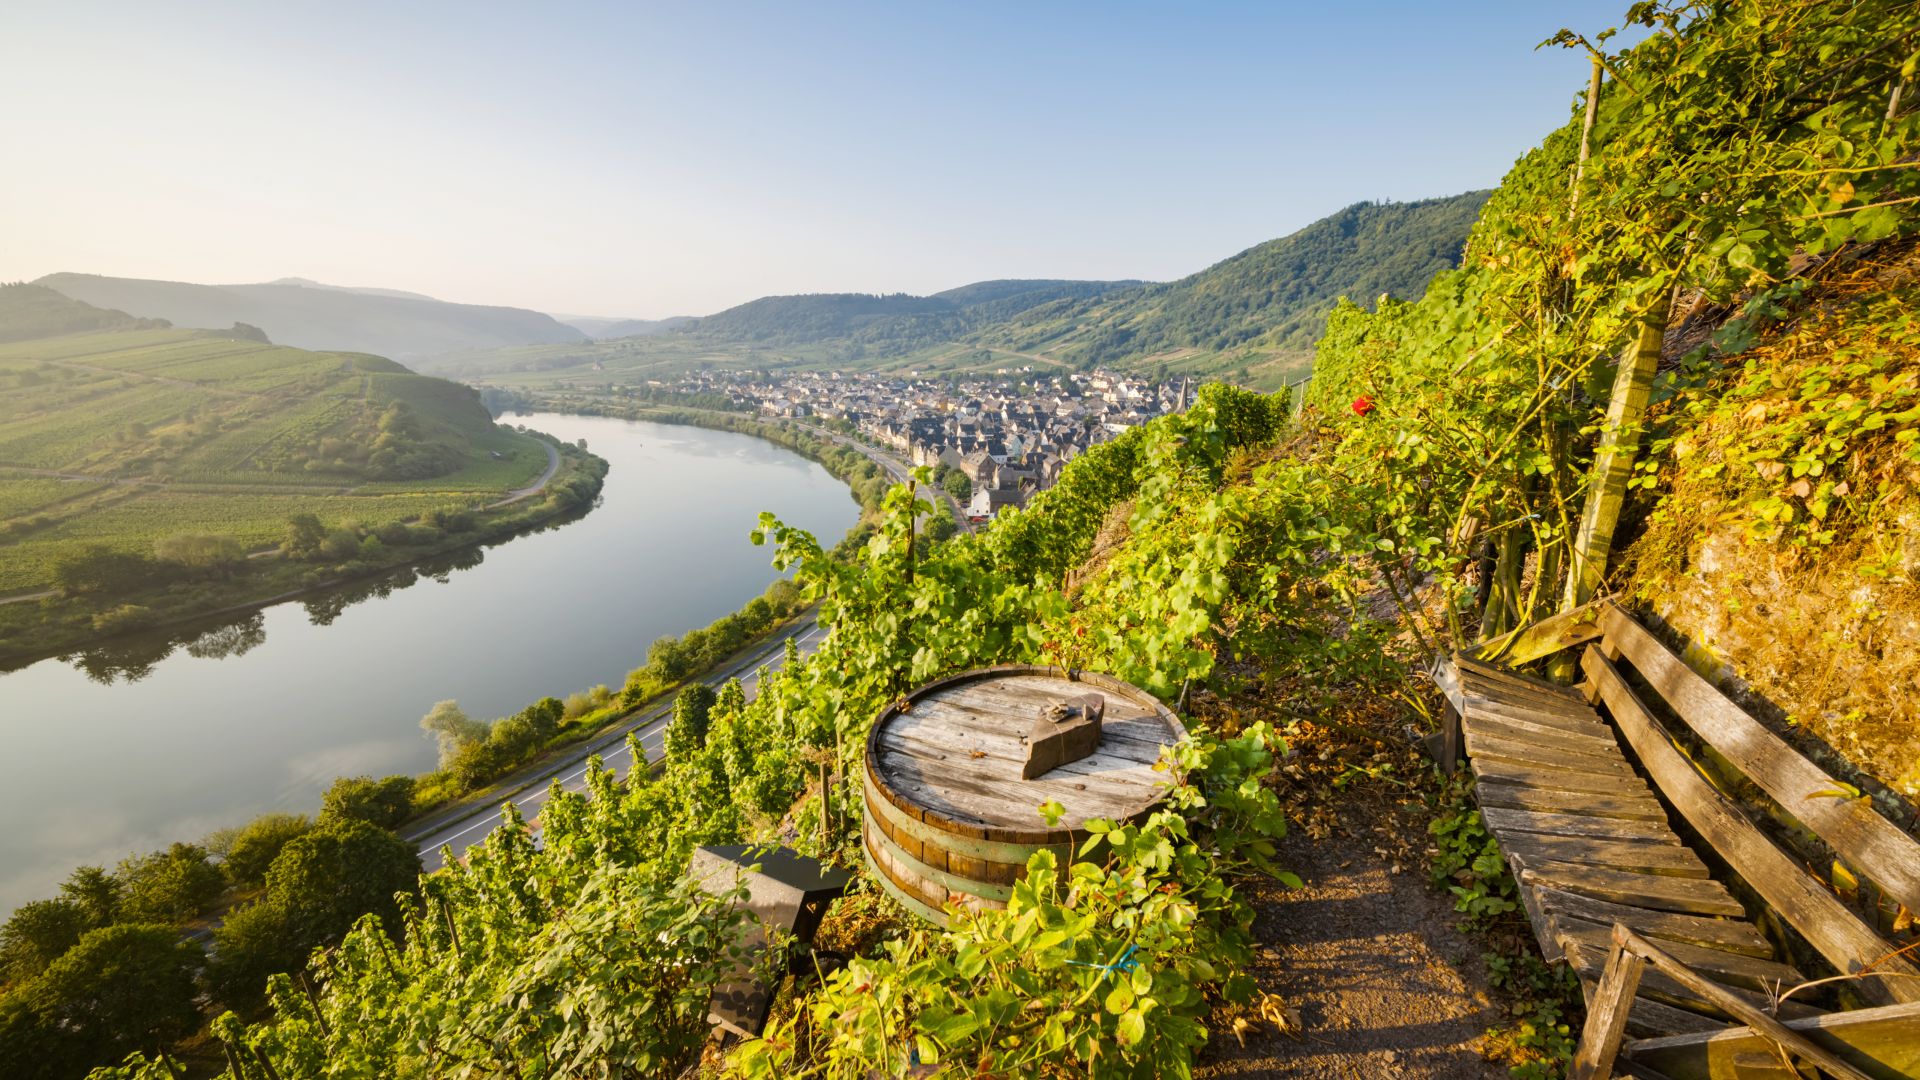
(126, 617)
(252, 849)
(170, 886)
(383, 803)
(119, 989)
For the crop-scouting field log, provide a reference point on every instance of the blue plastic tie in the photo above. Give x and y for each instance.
(1126, 963)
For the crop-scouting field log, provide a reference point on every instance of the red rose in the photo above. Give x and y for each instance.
(1362, 405)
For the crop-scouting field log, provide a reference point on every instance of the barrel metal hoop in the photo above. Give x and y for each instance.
(993, 851)
(911, 903)
(998, 895)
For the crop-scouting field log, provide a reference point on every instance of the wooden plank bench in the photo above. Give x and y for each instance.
(1589, 831)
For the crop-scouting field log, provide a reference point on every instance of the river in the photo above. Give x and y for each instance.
(170, 736)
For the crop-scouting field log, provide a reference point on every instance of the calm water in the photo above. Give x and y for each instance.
(170, 737)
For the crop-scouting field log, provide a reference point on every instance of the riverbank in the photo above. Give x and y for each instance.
(55, 623)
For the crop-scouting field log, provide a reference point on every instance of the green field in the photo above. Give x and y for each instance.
(120, 438)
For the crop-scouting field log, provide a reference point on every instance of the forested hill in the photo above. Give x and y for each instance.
(1270, 300)
(35, 311)
(315, 317)
(896, 322)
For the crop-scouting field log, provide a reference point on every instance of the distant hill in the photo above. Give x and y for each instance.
(294, 312)
(896, 322)
(1271, 298)
(35, 311)
(603, 329)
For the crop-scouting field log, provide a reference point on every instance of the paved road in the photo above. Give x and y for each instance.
(553, 466)
(470, 828)
(898, 470)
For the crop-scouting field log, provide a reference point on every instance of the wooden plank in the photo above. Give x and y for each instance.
(1852, 827)
(1846, 942)
(1661, 892)
(1553, 706)
(1572, 627)
(1667, 859)
(1650, 1019)
(1473, 668)
(1607, 1017)
(1513, 750)
(1733, 969)
(1446, 676)
(1530, 774)
(1502, 820)
(1728, 935)
(1590, 803)
(1736, 1005)
(1882, 1042)
(1657, 985)
(1528, 732)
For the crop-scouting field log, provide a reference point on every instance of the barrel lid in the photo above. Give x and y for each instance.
(950, 754)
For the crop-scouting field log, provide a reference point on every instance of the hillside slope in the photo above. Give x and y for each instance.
(1269, 299)
(122, 436)
(311, 317)
(34, 311)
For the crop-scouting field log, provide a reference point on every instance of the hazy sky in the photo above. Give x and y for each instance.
(650, 160)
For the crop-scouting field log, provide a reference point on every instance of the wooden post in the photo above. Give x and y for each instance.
(1586, 132)
(1607, 1013)
(1613, 462)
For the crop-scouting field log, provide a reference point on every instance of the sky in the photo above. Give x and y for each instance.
(647, 160)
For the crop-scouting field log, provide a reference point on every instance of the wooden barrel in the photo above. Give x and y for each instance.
(948, 818)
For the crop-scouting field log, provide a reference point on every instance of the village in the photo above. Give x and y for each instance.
(1009, 434)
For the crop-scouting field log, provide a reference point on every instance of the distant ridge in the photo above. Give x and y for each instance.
(604, 329)
(312, 316)
(35, 311)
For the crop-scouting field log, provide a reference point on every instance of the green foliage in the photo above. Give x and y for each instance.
(383, 803)
(687, 733)
(1468, 863)
(100, 569)
(120, 989)
(169, 886)
(36, 934)
(1103, 968)
(1273, 297)
(251, 849)
(35, 311)
(317, 888)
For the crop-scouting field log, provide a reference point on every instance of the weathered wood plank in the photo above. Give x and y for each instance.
(1698, 896)
(1554, 707)
(1575, 760)
(1503, 820)
(1657, 985)
(1823, 920)
(1733, 969)
(1735, 1004)
(1492, 770)
(1852, 827)
(1446, 675)
(1882, 1042)
(1728, 935)
(1593, 804)
(1472, 668)
(1528, 732)
(1572, 627)
(1607, 1017)
(1667, 859)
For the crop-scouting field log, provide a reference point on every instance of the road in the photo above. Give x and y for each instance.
(473, 825)
(553, 466)
(896, 469)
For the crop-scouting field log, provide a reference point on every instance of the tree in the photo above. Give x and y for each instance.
(692, 711)
(119, 989)
(940, 526)
(304, 536)
(97, 893)
(38, 933)
(382, 803)
(254, 847)
(957, 485)
(97, 568)
(340, 545)
(454, 729)
(170, 886)
(200, 552)
(318, 887)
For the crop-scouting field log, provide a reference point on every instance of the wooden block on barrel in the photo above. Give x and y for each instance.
(1065, 731)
